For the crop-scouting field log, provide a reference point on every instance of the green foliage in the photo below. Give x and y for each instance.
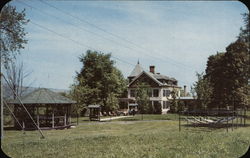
(98, 82)
(203, 91)
(228, 74)
(245, 31)
(215, 71)
(142, 98)
(238, 69)
(112, 102)
(12, 32)
(174, 102)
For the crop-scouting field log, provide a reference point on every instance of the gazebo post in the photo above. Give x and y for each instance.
(37, 116)
(69, 113)
(65, 119)
(53, 120)
(46, 114)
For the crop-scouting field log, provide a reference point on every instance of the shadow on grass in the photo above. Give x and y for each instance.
(9, 128)
(129, 119)
(210, 128)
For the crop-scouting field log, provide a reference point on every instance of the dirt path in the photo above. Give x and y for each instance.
(114, 118)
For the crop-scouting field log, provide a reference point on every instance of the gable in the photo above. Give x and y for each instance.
(146, 79)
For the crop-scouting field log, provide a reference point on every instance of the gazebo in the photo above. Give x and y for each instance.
(49, 109)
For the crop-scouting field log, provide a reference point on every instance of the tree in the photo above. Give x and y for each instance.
(78, 94)
(228, 74)
(11, 40)
(98, 82)
(203, 91)
(174, 102)
(12, 32)
(237, 71)
(215, 73)
(244, 35)
(16, 75)
(142, 98)
(112, 101)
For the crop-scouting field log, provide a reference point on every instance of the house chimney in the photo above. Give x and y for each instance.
(185, 90)
(152, 69)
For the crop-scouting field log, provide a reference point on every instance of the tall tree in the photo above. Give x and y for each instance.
(228, 74)
(12, 32)
(142, 98)
(244, 35)
(215, 72)
(203, 91)
(11, 40)
(16, 74)
(237, 59)
(99, 81)
(174, 102)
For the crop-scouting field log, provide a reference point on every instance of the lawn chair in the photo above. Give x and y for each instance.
(110, 114)
(104, 113)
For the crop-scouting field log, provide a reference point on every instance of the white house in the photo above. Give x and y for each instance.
(161, 87)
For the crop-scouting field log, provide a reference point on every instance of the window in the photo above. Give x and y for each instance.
(132, 93)
(155, 93)
(166, 93)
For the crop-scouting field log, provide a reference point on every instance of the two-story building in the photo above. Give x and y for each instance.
(161, 87)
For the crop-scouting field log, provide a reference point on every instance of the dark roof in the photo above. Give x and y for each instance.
(156, 78)
(43, 96)
(138, 70)
(159, 76)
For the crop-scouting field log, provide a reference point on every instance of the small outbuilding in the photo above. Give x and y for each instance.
(94, 112)
(49, 109)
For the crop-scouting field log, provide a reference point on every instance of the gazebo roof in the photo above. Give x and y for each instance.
(43, 96)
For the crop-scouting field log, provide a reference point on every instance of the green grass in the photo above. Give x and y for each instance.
(130, 139)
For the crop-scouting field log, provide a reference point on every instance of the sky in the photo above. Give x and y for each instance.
(176, 37)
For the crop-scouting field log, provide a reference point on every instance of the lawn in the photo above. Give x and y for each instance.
(130, 138)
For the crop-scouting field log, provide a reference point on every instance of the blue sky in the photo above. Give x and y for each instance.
(175, 36)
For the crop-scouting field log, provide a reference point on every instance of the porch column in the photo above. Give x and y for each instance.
(65, 119)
